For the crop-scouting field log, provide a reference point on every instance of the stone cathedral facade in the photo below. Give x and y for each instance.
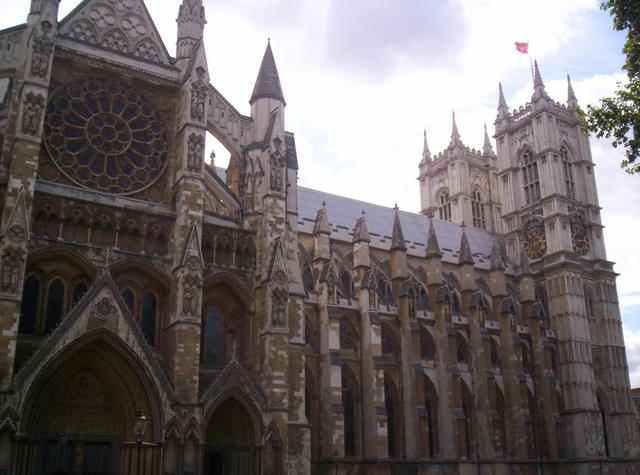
(266, 328)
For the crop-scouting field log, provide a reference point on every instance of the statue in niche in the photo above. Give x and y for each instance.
(10, 271)
(190, 295)
(194, 152)
(42, 47)
(276, 165)
(198, 96)
(33, 106)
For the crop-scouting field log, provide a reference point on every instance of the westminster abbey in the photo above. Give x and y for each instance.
(159, 315)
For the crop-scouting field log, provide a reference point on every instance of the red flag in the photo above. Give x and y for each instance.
(522, 47)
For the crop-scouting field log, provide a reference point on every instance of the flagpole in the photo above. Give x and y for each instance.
(533, 78)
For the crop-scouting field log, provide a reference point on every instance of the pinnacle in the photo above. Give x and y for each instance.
(487, 148)
(496, 257)
(426, 154)
(268, 81)
(455, 135)
(321, 225)
(433, 248)
(538, 85)
(572, 101)
(465, 255)
(360, 232)
(397, 237)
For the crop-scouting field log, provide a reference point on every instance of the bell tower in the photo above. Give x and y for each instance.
(551, 215)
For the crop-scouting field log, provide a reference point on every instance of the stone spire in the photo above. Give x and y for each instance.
(321, 225)
(487, 148)
(503, 109)
(572, 101)
(268, 81)
(433, 248)
(538, 85)
(496, 257)
(455, 135)
(360, 232)
(465, 256)
(426, 154)
(397, 237)
(191, 21)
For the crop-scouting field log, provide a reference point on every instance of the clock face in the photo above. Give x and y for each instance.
(536, 242)
(580, 243)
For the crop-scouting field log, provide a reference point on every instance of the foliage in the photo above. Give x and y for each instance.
(618, 117)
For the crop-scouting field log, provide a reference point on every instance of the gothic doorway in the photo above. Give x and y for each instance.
(231, 441)
(80, 414)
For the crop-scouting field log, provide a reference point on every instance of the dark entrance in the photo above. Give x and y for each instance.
(230, 448)
(67, 455)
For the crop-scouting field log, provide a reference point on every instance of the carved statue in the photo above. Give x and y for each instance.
(33, 106)
(10, 269)
(198, 96)
(194, 153)
(42, 47)
(279, 307)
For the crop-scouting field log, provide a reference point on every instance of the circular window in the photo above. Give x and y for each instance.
(105, 137)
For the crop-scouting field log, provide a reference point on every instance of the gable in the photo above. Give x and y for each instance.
(123, 26)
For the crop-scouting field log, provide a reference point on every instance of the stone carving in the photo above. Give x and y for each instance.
(280, 277)
(42, 47)
(198, 96)
(190, 295)
(279, 299)
(147, 50)
(31, 114)
(12, 258)
(104, 309)
(16, 233)
(195, 152)
(276, 163)
(83, 30)
(116, 39)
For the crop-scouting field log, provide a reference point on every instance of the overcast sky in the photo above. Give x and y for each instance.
(363, 78)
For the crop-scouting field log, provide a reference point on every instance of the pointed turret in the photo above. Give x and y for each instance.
(433, 247)
(487, 148)
(321, 225)
(455, 135)
(503, 109)
(191, 21)
(538, 85)
(268, 81)
(360, 232)
(426, 154)
(496, 257)
(572, 101)
(397, 237)
(465, 256)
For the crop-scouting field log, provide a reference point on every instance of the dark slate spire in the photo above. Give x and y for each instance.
(465, 256)
(433, 248)
(360, 233)
(496, 257)
(321, 225)
(268, 81)
(397, 237)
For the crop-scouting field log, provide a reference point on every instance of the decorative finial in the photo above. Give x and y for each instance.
(395, 207)
(362, 213)
(572, 101)
(324, 204)
(455, 135)
(234, 350)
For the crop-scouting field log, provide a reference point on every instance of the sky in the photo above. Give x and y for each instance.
(364, 78)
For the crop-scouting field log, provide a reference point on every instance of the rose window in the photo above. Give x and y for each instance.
(105, 137)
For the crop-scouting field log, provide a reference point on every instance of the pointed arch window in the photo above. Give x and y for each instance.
(444, 206)
(477, 210)
(567, 169)
(148, 318)
(55, 305)
(349, 418)
(129, 299)
(212, 336)
(390, 406)
(531, 178)
(29, 312)
(78, 292)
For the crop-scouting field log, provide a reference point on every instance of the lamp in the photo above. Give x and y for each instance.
(139, 425)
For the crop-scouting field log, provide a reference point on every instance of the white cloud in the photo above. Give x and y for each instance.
(632, 343)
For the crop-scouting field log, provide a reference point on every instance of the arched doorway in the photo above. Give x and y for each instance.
(79, 415)
(231, 441)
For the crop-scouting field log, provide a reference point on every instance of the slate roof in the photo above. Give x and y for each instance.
(343, 212)
(268, 82)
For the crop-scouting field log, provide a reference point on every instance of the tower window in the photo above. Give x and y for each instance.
(445, 207)
(477, 210)
(567, 168)
(531, 178)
